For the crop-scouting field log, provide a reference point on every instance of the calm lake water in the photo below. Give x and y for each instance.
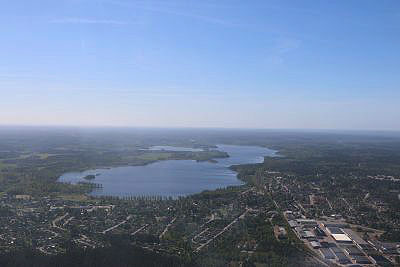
(172, 177)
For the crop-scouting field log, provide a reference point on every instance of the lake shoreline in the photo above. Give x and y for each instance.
(171, 177)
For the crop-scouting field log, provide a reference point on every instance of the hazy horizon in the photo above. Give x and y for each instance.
(309, 65)
(177, 128)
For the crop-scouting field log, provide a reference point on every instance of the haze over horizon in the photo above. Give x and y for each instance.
(230, 64)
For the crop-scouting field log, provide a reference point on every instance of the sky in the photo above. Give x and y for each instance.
(226, 63)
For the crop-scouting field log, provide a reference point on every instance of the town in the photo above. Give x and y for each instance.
(329, 227)
(305, 205)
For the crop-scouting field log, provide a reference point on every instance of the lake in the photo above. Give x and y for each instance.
(172, 177)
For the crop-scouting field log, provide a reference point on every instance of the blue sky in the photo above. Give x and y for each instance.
(251, 64)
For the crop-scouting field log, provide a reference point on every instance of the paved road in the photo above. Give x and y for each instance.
(117, 225)
(221, 232)
(167, 227)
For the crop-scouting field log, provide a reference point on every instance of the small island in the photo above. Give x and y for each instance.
(89, 177)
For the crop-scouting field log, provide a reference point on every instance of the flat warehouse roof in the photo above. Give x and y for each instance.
(353, 250)
(334, 230)
(341, 237)
(327, 253)
(338, 225)
(341, 256)
(356, 238)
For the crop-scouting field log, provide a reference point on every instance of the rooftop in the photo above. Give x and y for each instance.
(341, 237)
